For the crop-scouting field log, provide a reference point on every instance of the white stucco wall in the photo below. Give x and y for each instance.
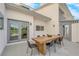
(3, 33)
(17, 15)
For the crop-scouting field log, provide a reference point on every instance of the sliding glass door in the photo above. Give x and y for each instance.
(18, 30)
(14, 30)
(24, 30)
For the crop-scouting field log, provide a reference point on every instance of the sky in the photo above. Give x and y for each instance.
(34, 5)
(74, 9)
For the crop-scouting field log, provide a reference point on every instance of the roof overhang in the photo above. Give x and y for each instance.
(26, 11)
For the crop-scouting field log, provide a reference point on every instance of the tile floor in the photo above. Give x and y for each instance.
(69, 49)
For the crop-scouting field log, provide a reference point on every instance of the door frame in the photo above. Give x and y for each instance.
(8, 29)
(65, 29)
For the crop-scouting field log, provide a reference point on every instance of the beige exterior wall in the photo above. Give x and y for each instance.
(51, 11)
(3, 32)
(75, 32)
(40, 22)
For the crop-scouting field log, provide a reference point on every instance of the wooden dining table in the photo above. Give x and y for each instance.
(41, 42)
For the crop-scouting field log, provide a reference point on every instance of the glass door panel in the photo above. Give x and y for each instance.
(18, 30)
(14, 30)
(24, 30)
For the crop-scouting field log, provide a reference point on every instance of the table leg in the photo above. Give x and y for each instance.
(41, 48)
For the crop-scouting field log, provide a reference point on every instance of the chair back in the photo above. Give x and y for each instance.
(58, 34)
(28, 43)
(51, 43)
(43, 35)
(38, 35)
(48, 35)
(61, 38)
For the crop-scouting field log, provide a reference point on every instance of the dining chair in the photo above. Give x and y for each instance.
(50, 44)
(38, 35)
(61, 40)
(43, 35)
(31, 46)
(48, 35)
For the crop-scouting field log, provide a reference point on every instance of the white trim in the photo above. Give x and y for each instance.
(2, 50)
(16, 43)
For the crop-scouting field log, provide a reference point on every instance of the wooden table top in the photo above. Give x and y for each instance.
(41, 42)
(44, 39)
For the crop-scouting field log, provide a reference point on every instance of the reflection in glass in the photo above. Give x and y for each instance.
(1, 21)
(24, 31)
(14, 31)
(18, 30)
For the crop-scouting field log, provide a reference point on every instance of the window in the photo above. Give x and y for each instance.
(42, 28)
(39, 28)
